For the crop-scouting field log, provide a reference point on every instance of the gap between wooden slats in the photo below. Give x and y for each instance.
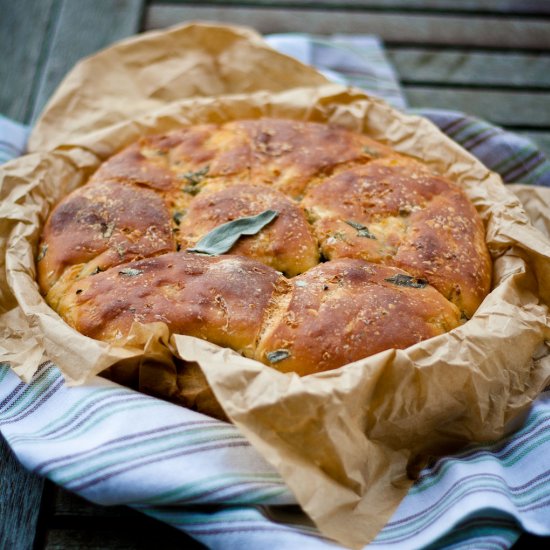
(73, 522)
(485, 31)
(518, 7)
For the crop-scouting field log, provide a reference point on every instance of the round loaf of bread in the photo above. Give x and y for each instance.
(368, 249)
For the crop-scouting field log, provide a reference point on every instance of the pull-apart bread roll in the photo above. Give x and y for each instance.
(361, 249)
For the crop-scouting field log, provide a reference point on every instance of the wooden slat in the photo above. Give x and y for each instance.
(24, 31)
(501, 107)
(83, 27)
(480, 31)
(20, 495)
(476, 6)
(478, 68)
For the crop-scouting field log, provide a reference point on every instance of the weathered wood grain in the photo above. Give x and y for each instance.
(24, 37)
(477, 68)
(82, 28)
(501, 107)
(20, 496)
(425, 29)
(494, 6)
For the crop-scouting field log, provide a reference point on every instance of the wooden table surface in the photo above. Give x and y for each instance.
(489, 58)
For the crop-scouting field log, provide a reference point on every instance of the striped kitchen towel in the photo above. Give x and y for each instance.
(112, 445)
(514, 157)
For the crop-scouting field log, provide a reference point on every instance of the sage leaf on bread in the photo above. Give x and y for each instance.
(107, 229)
(222, 238)
(178, 216)
(362, 230)
(42, 253)
(371, 152)
(277, 355)
(191, 189)
(194, 178)
(130, 272)
(407, 280)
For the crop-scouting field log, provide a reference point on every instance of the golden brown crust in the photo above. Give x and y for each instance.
(293, 155)
(221, 299)
(108, 251)
(102, 225)
(132, 165)
(396, 212)
(344, 310)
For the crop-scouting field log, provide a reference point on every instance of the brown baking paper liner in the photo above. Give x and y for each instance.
(346, 441)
